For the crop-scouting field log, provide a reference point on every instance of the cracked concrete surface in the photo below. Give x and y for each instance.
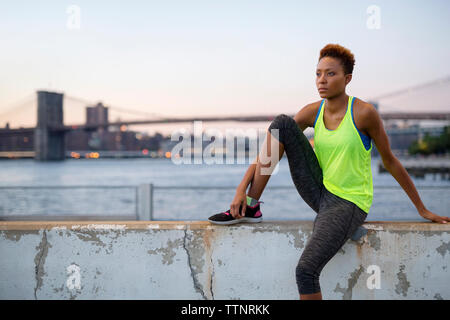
(168, 252)
(211, 284)
(403, 284)
(39, 261)
(195, 260)
(444, 248)
(16, 235)
(351, 282)
(193, 267)
(374, 240)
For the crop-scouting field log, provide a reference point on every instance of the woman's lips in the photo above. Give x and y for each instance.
(322, 89)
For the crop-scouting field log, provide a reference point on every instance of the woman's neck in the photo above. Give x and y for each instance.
(337, 104)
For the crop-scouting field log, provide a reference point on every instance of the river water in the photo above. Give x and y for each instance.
(113, 190)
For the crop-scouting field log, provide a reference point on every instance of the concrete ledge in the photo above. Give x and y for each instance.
(197, 260)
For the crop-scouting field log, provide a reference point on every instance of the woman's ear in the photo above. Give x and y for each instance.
(348, 78)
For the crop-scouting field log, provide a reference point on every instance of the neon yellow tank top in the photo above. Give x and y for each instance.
(345, 162)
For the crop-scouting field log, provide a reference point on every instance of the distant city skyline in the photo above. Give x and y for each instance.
(217, 58)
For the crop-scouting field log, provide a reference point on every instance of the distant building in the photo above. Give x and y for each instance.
(16, 140)
(97, 114)
(77, 140)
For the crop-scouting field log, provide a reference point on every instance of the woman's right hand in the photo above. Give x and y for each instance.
(240, 199)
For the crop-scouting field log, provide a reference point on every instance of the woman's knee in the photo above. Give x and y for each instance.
(281, 121)
(279, 125)
(307, 279)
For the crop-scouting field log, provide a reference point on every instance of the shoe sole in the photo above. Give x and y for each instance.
(245, 219)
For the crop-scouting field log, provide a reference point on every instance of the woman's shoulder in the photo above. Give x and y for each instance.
(313, 106)
(306, 116)
(362, 108)
(363, 114)
(359, 101)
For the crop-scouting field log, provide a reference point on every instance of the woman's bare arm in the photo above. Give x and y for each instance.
(374, 126)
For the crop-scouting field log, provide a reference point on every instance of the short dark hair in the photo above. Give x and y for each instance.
(343, 54)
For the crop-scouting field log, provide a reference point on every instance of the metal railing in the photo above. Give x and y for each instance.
(72, 216)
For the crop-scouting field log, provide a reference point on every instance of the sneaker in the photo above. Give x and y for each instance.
(252, 215)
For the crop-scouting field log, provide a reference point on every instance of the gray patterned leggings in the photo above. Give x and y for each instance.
(336, 220)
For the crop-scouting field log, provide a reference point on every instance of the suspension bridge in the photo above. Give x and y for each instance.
(50, 129)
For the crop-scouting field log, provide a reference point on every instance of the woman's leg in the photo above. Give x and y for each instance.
(335, 223)
(337, 218)
(303, 164)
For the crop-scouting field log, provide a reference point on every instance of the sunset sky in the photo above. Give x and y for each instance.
(206, 58)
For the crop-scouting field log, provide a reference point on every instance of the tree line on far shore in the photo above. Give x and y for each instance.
(432, 144)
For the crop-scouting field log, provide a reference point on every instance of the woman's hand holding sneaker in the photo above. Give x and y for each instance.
(242, 209)
(240, 199)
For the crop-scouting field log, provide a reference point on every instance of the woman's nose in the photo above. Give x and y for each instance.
(321, 79)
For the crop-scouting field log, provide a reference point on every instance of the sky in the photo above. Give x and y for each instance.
(216, 58)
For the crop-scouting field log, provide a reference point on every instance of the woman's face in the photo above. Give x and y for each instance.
(330, 78)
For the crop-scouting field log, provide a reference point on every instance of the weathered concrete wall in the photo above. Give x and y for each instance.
(196, 260)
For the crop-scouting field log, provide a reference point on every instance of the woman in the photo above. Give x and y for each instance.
(334, 178)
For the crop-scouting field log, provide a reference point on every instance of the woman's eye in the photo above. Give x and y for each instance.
(331, 73)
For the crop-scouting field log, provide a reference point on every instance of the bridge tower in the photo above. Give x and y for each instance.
(49, 143)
